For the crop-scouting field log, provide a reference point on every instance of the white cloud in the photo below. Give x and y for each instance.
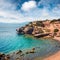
(56, 9)
(5, 5)
(28, 5)
(32, 12)
(9, 15)
(13, 17)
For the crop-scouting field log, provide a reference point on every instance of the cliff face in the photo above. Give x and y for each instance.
(48, 28)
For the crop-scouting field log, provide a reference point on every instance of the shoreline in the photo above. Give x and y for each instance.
(55, 56)
(38, 30)
(56, 38)
(26, 53)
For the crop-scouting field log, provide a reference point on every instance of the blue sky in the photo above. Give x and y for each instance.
(17, 11)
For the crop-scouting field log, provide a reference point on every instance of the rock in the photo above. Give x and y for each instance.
(6, 58)
(33, 48)
(30, 30)
(32, 51)
(20, 31)
(41, 35)
(27, 52)
(19, 52)
(22, 55)
(17, 59)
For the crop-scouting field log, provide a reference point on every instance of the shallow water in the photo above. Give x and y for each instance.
(11, 41)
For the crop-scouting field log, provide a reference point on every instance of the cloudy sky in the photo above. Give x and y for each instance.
(17, 11)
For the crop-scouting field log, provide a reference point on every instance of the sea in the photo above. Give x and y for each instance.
(10, 41)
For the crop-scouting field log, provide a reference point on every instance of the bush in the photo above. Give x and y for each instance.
(56, 30)
(54, 20)
(40, 23)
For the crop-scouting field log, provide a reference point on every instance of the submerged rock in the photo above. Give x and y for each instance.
(19, 52)
(4, 57)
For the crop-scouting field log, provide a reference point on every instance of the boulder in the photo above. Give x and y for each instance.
(30, 30)
(20, 31)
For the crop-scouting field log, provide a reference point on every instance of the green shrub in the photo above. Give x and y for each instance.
(40, 23)
(56, 30)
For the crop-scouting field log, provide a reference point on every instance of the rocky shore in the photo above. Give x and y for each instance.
(18, 55)
(38, 29)
(32, 54)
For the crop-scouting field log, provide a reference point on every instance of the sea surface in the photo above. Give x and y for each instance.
(10, 41)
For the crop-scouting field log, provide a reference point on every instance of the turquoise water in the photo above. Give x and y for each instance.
(11, 41)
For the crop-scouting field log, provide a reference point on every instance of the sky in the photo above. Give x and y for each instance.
(17, 11)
